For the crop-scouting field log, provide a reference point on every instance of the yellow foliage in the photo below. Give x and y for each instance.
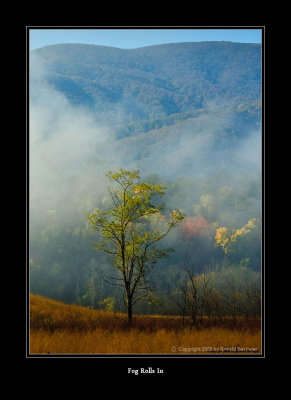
(224, 238)
(245, 229)
(252, 223)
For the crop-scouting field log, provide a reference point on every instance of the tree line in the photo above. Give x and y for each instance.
(128, 228)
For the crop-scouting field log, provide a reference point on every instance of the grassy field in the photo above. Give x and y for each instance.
(58, 328)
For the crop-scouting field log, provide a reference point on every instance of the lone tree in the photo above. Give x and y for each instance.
(127, 233)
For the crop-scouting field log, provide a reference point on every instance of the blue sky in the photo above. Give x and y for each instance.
(133, 38)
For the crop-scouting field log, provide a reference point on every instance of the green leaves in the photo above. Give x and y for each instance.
(129, 230)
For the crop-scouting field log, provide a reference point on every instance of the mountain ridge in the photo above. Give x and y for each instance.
(143, 47)
(152, 81)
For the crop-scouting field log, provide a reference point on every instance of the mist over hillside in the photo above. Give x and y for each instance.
(204, 93)
(154, 81)
(187, 115)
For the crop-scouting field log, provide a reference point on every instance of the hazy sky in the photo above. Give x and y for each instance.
(133, 38)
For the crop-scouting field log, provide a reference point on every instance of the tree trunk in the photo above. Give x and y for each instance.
(129, 312)
(193, 318)
(247, 315)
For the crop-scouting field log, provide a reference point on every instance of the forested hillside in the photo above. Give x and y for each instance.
(153, 82)
(188, 116)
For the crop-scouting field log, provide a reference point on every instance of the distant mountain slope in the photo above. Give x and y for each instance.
(174, 108)
(200, 143)
(154, 82)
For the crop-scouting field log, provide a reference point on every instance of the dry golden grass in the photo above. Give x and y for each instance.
(58, 328)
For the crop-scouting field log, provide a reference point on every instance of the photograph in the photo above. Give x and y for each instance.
(145, 192)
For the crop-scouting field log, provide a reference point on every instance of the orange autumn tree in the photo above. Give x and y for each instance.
(127, 236)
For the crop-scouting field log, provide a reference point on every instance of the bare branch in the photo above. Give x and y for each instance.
(109, 277)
